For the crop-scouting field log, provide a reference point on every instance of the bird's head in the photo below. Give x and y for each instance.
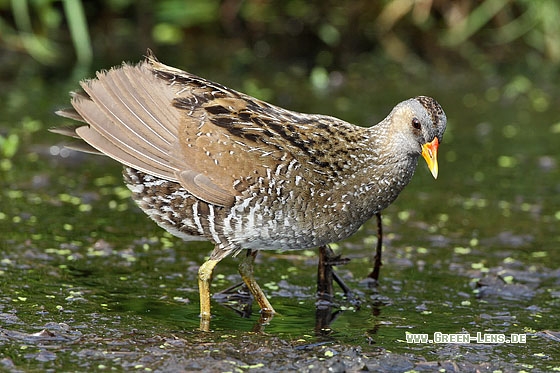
(418, 125)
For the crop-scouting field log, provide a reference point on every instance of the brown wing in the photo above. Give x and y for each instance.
(213, 140)
(234, 138)
(123, 109)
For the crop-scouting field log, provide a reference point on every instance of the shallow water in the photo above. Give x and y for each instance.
(473, 252)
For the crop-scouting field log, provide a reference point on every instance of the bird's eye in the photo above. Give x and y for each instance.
(416, 123)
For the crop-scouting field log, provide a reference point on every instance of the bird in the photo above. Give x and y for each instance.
(206, 162)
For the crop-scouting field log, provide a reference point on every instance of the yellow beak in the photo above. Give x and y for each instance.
(429, 152)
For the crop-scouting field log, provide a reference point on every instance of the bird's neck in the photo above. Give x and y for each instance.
(383, 171)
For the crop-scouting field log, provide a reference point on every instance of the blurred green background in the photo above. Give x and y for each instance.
(486, 35)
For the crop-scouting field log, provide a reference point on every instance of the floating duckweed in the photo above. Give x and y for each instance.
(525, 207)
(506, 161)
(67, 198)
(462, 250)
(254, 366)
(404, 215)
(74, 294)
(68, 227)
(13, 194)
(539, 254)
(443, 218)
(422, 250)
(466, 303)
(122, 192)
(2, 216)
(480, 266)
(105, 180)
(129, 257)
(61, 252)
(504, 204)
(114, 205)
(272, 285)
(475, 202)
(166, 242)
(329, 353)
(85, 207)
(473, 242)
(95, 253)
(16, 219)
(508, 279)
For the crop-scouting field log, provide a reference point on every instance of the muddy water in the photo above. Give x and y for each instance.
(88, 282)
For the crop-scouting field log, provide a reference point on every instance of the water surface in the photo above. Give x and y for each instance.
(473, 252)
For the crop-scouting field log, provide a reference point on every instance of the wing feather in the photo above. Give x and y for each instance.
(214, 141)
